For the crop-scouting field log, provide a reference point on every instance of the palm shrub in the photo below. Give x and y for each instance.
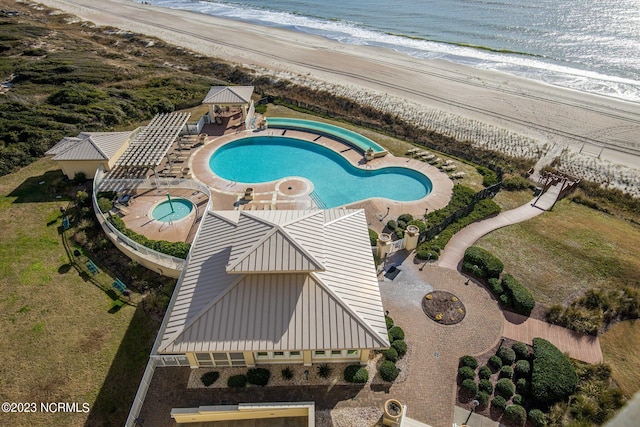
(466, 373)
(469, 361)
(287, 373)
(388, 371)
(505, 388)
(516, 413)
(506, 372)
(507, 355)
(209, 378)
(553, 377)
(400, 346)
(258, 376)
(324, 370)
(396, 333)
(391, 354)
(522, 369)
(499, 402)
(470, 386)
(485, 385)
(484, 373)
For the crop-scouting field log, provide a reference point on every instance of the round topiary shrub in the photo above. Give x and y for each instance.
(486, 385)
(516, 414)
(517, 399)
(483, 398)
(522, 369)
(356, 374)
(388, 371)
(400, 346)
(538, 418)
(507, 355)
(391, 354)
(499, 402)
(495, 362)
(396, 333)
(470, 386)
(209, 378)
(484, 373)
(506, 372)
(392, 225)
(405, 218)
(466, 373)
(522, 350)
(237, 381)
(505, 388)
(469, 361)
(505, 300)
(389, 321)
(258, 376)
(401, 225)
(522, 386)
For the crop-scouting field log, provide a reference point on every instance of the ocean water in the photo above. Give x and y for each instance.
(591, 46)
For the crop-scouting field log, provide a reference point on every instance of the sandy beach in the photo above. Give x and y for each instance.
(596, 137)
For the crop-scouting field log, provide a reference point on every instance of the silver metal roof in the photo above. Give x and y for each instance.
(231, 95)
(152, 143)
(333, 304)
(89, 146)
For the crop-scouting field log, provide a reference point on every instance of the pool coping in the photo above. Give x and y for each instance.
(228, 195)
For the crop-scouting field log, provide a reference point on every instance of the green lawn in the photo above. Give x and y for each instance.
(62, 341)
(624, 361)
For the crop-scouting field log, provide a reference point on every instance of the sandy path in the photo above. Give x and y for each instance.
(540, 111)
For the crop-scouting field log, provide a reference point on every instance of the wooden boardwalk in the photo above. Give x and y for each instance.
(578, 346)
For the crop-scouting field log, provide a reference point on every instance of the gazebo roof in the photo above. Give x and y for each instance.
(151, 144)
(89, 146)
(229, 95)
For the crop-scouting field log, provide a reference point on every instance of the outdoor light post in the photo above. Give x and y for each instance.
(306, 374)
(502, 340)
(474, 405)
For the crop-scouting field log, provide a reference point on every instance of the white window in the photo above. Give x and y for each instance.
(220, 359)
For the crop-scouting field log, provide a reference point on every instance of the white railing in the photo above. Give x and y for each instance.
(138, 401)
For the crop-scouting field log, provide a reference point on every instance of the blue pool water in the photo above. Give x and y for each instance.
(335, 181)
(181, 208)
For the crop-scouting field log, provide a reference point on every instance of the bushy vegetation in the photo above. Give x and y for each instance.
(483, 398)
(515, 183)
(396, 333)
(505, 387)
(486, 386)
(470, 386)
(176, 249)
(489, 177)
(481, 263)
(324, 370)
(495, 362)
(466, 373)
(388, 371)
(538, 418)
(516, 414)
(521, 298)
(400, 346)
(506, 372)
(469, 361)
(209, 378)
(522, 369)
(553, 377)
(373, 237)
(356, 374)
(287, 373)
(507, 355)
(389, 321)
(499, 403)
(521, 349)
(484, 373)
(237, 381)
(258, 376)
(391, 354)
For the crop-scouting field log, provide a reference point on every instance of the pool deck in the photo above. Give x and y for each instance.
(294, 192)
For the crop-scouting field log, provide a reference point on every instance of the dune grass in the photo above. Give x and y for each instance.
(62, 340)
(617, 348)
(562, 253)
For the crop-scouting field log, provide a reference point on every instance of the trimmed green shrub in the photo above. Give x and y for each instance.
(515, 183)
(507, 355)
(324, 370)
(483, 398)
(402, 225)
(391, 354)
(176, 249)
(505, 300)
(521, 349)
(495, 286)
(425, 254)
(209, 378)
(396, 333)
(466, 373)
(523, 368)
(505, 388)
(418, 223)
(516, 413)
(392, 225)
(105, 205)
(79, 178)
(237, 381)
(553, 377)
(484, 373)
(356, 374)
(470, 386)
(522, 299)
(517, 399)
(258, 376)
(538, 418)
(389, 321)
(373, 237)
(388, 371)
(399, 232)
(485, 385)
(488, 265)
(406, 218)
(522, 386)
(506, 372)
(400, 346)
(489, 177)
(469, 361)
(499, 402)
(287, 373)
(495, 362)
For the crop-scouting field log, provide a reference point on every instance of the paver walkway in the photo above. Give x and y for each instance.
(454, 251)
(578, 346)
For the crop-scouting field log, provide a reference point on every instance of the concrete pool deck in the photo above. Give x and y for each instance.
(294, 192)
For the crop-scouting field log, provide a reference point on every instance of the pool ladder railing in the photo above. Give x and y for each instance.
(318, 201)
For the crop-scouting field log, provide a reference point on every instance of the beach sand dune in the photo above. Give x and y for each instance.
(511, 114)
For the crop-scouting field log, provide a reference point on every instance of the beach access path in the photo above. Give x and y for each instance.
(540, 111)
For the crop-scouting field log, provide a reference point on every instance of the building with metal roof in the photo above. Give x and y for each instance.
(87, 151)
(276, 287)
(228, 96)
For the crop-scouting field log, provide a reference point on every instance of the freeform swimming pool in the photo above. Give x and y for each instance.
(175, 210)
(336, 182)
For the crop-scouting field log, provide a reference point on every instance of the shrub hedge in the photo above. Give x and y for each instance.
(484, 373)
(516, 413)
(466, 373)
(209, 378)
(499, 402)
(356, 374)
(258, 376)
(389, 321)
(388, 371)
(391, 354)
(396, 333)
(507, 355)
(505, 388)
(488, 264)
(176, 249)
(469, 361)
(553, 377)
(373, 237)
(400, 346)
(470, 386)
(495, 286)
(521, 298)
(237, 381)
